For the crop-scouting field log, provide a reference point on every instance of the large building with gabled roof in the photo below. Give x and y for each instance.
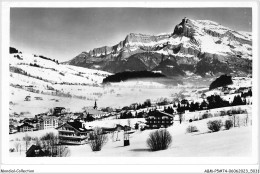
(157, 119)
(73, 132)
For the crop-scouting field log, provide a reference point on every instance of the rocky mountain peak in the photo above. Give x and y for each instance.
(192, 45)
(185, 28)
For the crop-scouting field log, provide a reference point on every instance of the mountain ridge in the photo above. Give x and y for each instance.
(191, 42)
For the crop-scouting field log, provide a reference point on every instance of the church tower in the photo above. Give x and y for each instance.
(95, 105)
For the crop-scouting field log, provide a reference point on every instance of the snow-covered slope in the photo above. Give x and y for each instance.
(51, 71)
(50, 84)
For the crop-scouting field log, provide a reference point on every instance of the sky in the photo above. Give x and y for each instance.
(63, 33)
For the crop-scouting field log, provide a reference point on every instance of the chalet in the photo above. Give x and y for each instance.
(217, 91)
(38, 98)
(184, 103)
(25, 127)
(140, 125)
(27, 98)
(117, 128)
(32, 122)
(29, 88)
(203, 96)
(12, 129)
(39, 116)
(35, 151)
(233, 91)
(118, 110)
(58, 110)
(157, 119)
(75, 116)
(243, 90)
(226, 90)
(14, 115)
(202, 90)
(73, 132)
(47, 122)
(12, 121)
(186, 94)
(248, 100)
(204, 105)
(110, 116)
(18, 86)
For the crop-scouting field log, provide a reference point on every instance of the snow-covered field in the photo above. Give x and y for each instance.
(17, 138)
(235, 142)
(115, 97)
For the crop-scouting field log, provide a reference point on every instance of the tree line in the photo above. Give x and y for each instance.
(212, 102)
(126, 75)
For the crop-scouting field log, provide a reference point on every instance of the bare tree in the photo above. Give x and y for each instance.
(37, 141)
(51, 111)
(50, 142)
(17, 145)
(113, 134)
(27, 140)
(97, 139)
(63, 151)
(234, 119)
(238, 121)
(180, 118)
(246, 120)
(129, 122)
(117, 139)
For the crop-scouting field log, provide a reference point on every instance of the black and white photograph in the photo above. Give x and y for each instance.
(130, 82)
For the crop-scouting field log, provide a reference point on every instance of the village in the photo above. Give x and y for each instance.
(75, 128)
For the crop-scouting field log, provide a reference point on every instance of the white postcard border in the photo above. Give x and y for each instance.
(127, 160)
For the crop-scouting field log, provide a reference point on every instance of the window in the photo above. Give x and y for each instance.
(37, 152)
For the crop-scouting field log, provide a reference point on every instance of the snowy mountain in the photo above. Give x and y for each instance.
(195, 46)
